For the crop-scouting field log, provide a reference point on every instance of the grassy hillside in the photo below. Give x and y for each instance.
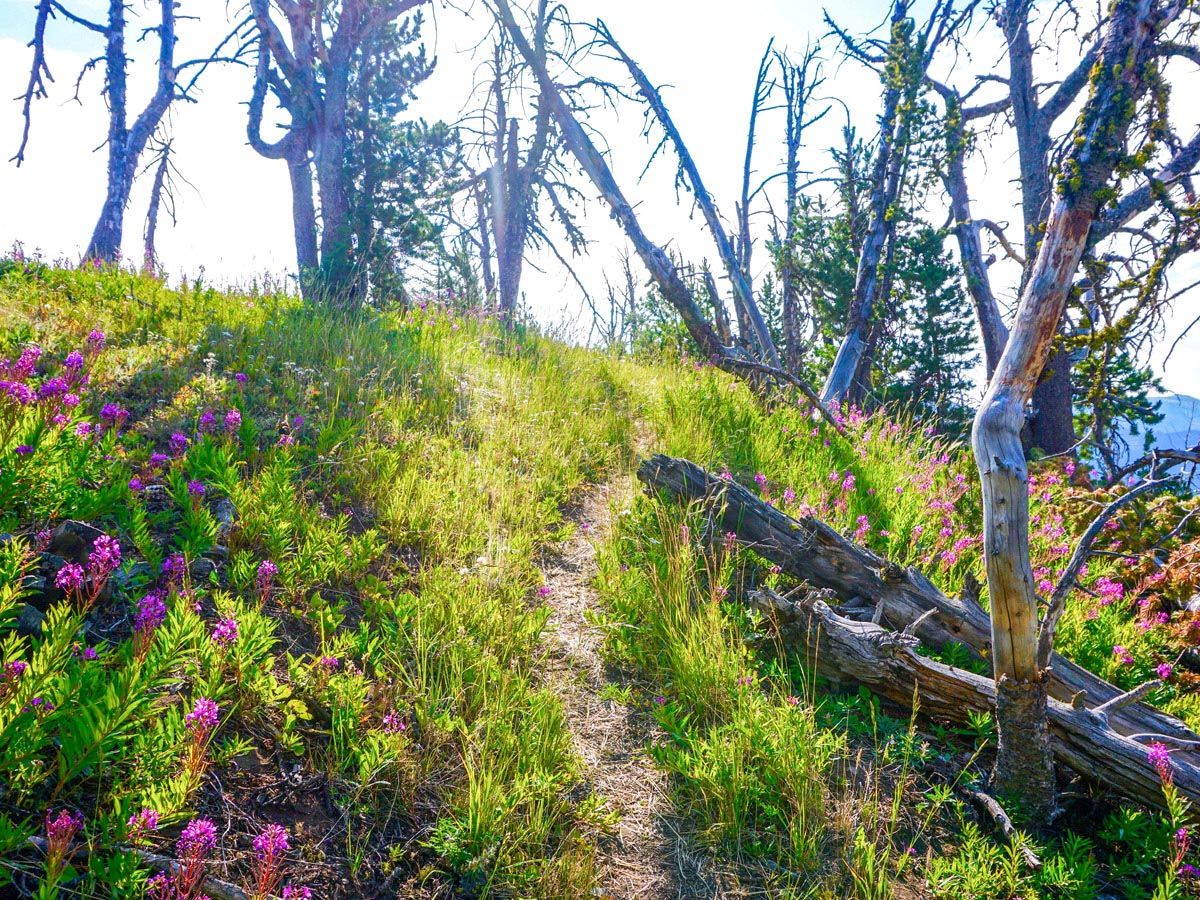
(267, 567)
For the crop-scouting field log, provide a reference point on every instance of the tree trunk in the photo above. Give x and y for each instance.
(675, 291)
(864, 653)
(105, 244)
(1097, 143)
(901, 598)
(841, 385)
(1051, 428)
(304, 223)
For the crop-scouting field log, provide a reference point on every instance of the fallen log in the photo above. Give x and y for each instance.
(865, 653)
(810, 550)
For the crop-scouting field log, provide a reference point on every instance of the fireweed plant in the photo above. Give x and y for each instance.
(320, 558)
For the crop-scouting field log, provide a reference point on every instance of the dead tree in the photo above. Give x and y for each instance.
(305, 55)
(126, 140)
(992, 329)
(1024, 765)
(902, 62)
(690, 176)
(161, 194)
(798, 82)
(524, 170)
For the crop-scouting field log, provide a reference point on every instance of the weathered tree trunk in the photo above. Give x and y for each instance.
(1024, 766)
(149, 252)
(674, 290)
(126, 144)
(864, 653)
(1051, 428)
(903, 598)
(987, 311)
(841, 385)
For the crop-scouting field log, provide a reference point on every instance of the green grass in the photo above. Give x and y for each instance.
(405, 471)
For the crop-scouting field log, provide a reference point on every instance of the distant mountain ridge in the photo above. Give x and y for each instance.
(1179, 428)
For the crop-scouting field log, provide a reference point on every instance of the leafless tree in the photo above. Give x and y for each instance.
(902, 60)
(126, 140)
(1121, 71)
(689, 175)
(524, 170)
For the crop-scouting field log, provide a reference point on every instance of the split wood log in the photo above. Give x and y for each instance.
(887, 662)
(808, 549)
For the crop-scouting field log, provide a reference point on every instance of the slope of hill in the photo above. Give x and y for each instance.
(299, 604)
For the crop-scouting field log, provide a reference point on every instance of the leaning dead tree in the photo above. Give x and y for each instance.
(126, 140)
(866, 615)
(673, 287)
(689, 175)
(902, 62)
(306, 55)
(1123, 71)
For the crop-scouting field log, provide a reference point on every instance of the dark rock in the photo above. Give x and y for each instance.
(226, 514)
(217, 554)
(73, 540)
(29, 622)
(201, 569)
(157, 497)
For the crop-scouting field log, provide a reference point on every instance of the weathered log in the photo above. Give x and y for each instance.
(808, 549)
(887, 662)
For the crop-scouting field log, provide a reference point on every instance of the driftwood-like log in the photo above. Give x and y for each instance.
(808, 549)
(887, 662)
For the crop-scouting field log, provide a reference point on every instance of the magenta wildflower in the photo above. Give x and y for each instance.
(141, 823)
(90, 654)
(1123, 655)
(198, 840)
(393, 724)
(1160, 758)
(233, 421)
(174, 568)
(329, 663)
(204, 717)
(545, 590)
(269, 848)
(265, 576)
(291, 892)
(760, 479)
(159, 460)
(60, 832)
(70, 578)
(151, 611)
(848, 483)
(196, 489)
(1164, 670)
(240, 377)
(96, 340)
(73, 361)
(23, 450)
(105, 557)
(225, 633)
(177, 443)
(113, 415)
(208, 419)
(136, 485)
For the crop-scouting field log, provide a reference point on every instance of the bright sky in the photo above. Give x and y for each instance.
(234, 220)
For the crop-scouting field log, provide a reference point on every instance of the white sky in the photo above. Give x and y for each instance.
(234, 223)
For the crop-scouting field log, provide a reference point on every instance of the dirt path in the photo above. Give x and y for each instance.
(646, 857)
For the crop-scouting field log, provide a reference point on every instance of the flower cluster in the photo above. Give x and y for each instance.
(195, 844)
(140, 824)
(269, 849)
(201, 722)
(61, 829)
(225, 633)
